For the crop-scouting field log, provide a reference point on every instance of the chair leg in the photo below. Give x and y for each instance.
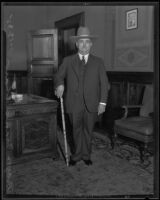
(114, 138)
(111, 137)
(112, 142)
(143, 151)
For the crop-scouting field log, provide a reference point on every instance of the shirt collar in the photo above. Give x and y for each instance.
(85, 56)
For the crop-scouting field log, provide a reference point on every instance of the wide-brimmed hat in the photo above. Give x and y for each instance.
(83, 32)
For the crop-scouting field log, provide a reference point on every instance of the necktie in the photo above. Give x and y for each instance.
(83, 60)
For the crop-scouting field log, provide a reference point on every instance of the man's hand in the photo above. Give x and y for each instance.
(101, 109)
(59, 91)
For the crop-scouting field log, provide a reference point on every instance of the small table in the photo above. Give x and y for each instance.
(31, 126)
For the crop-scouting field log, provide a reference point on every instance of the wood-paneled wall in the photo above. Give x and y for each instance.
(42, 87)
(21, 80)
(127, 87)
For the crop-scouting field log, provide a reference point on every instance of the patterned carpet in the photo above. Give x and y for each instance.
(114, 172)
(125, 149)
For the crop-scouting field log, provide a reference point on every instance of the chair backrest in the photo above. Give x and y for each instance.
(147, 101)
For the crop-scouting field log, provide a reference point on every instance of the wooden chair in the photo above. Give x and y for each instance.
(139, 128)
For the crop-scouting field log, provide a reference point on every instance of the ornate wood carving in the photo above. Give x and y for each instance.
(31, 128)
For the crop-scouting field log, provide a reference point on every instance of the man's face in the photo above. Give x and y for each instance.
(84, 45)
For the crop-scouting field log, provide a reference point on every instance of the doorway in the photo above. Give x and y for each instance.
(68, 27)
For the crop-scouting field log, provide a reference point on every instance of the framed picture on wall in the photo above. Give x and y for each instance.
(132, 19)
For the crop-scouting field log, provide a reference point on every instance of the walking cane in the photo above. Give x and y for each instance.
(64, 131)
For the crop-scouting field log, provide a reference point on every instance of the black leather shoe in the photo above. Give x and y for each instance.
(88, 162)
(72, 162)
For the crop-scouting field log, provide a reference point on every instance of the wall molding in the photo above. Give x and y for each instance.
(137, 77)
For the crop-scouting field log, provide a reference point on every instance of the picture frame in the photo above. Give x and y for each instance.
(132, 19)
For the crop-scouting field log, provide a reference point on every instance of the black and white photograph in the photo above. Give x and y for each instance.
(79, 100)
(131, 19)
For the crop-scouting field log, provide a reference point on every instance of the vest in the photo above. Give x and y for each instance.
(80, 104)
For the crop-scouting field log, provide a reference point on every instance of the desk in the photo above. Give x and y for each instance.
(31, 126)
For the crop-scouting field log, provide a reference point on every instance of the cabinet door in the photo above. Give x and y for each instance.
(31, 137)
(38, 134)
(10, 144)
(42, 57)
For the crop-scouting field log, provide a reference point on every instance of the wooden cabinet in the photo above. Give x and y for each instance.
(31, 129)
(42, 61)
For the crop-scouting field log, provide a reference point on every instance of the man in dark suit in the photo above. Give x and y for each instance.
(83, 78)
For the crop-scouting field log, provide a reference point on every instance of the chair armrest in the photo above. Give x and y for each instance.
(128, 108)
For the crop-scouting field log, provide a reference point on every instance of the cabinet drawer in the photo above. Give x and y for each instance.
(29, 111)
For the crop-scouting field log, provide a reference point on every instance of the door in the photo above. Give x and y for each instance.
(42, 61)
(68, 27)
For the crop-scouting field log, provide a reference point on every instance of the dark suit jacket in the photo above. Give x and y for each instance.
(95, 82)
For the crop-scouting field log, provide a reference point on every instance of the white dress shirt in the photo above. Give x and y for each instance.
(85, 57)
